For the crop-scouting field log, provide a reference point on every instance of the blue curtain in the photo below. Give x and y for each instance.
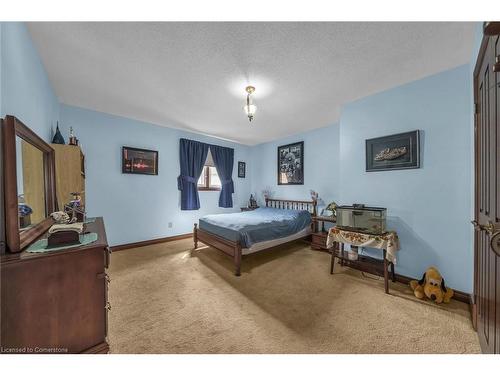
(223, 161)
(192, 159)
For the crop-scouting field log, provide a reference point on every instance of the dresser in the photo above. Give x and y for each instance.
(56, 302)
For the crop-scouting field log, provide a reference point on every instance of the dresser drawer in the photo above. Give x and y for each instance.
(319, 241)
(319, 238)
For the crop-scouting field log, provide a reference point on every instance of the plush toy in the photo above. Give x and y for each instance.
(432, 286)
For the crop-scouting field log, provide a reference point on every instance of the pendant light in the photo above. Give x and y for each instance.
(250, 108)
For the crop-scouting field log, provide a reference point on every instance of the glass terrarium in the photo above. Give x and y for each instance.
(363, 219)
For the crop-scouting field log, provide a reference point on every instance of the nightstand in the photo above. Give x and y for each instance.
(248, 208)
(317, 219)
(319, 241)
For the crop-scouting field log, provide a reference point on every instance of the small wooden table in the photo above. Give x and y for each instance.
(364, 263)
(319, 237)
(322, 219)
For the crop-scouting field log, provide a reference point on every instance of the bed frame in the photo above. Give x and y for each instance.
(233, 248)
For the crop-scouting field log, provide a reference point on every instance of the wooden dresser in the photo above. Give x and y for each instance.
(56, 302)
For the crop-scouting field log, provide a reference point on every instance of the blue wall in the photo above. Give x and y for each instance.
(26, 90)
(430, 207)
(321, 166)
(138, 207)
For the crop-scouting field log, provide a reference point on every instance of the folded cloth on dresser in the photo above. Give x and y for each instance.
(77, 227)
(388, 241)
(261, 224)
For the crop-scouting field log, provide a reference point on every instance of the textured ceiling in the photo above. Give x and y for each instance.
(193, 75)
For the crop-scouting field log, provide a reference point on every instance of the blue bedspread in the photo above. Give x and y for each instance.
(262, 224)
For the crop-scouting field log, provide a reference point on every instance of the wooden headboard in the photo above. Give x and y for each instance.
(288, 204)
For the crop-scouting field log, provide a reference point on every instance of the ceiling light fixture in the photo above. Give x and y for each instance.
(250, 108)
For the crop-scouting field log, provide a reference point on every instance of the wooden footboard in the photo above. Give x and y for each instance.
(233, 248)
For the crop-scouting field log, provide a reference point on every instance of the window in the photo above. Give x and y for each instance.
(209, 179)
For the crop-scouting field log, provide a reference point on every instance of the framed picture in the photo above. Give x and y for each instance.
(139, 161)
(291, 164)
(397, 151)
(242, 169)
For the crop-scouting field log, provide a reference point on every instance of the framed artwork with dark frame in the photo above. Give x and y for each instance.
(291, 164)
(242, 166)
(397, 151)
(139, 161)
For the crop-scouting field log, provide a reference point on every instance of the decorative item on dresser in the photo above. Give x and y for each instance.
(70, 173)
(235, 249)
(58, 138)
(73, 141)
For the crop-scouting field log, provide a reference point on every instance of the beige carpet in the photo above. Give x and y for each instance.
(165, 300)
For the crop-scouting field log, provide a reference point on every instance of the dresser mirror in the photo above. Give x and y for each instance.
(29, 184)
(31, 201)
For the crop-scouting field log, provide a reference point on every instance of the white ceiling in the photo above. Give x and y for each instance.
(193, 75)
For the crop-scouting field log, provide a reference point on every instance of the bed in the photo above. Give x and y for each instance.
(242, 233)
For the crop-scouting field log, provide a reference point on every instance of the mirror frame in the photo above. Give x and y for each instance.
(16, 240)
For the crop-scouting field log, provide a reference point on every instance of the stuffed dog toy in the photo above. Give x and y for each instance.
(432, 286)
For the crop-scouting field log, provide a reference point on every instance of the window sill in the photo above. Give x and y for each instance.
(208, 189)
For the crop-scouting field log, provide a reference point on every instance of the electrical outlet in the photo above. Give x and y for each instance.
(170, 224)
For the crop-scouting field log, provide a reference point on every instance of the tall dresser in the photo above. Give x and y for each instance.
(70, 172)
(56, 302)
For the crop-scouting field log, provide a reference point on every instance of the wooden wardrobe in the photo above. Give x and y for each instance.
(70, 173)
